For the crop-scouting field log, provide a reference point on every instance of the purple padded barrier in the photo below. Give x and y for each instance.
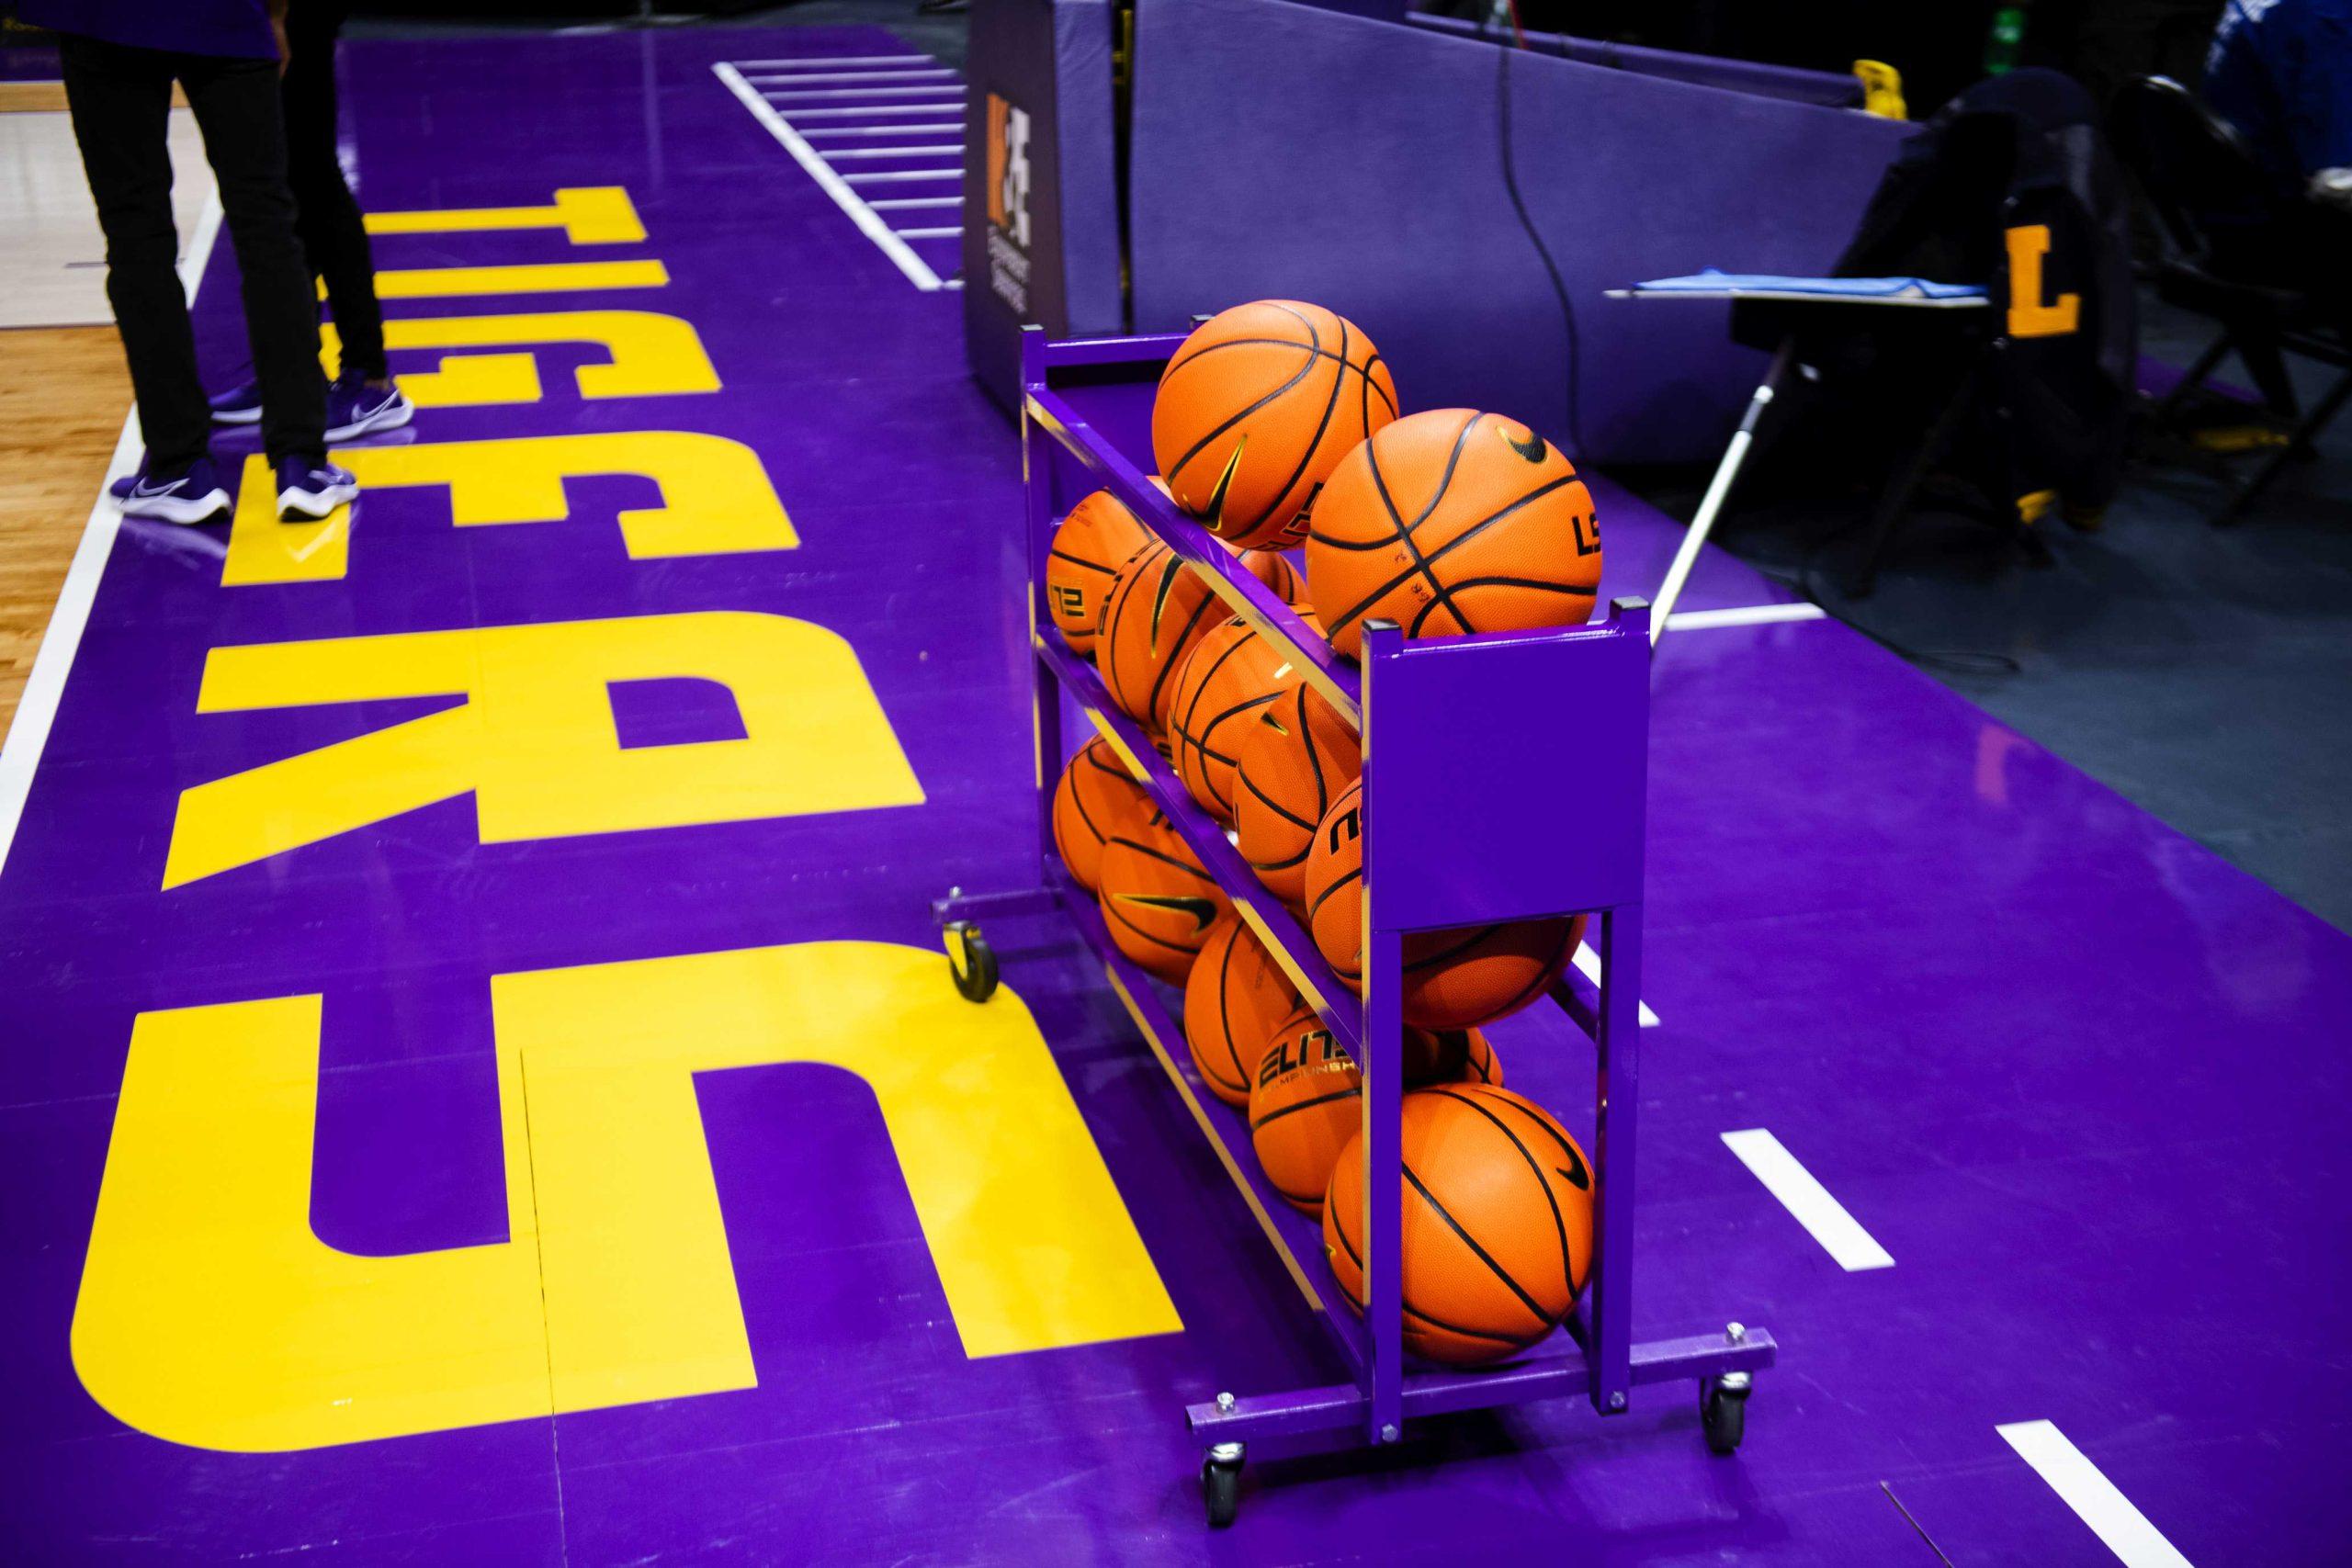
(1279, 149)
(1050, 60)
(1832, 89)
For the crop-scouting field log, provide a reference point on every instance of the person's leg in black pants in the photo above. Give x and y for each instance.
(121, 100)
(244, 138)
(334, 236)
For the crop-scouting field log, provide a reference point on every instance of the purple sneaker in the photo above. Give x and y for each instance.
(311, 488)
(239, 405)
(190, 493)
(354, 408)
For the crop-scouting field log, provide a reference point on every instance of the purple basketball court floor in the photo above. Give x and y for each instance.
(481, 1084)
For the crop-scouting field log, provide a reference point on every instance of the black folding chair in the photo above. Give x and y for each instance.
(2274, 271)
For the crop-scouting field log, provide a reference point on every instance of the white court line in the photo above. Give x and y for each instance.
(892, 203)
(883, 131)
(874, 111)
(1745, 616)
(888, 176)
(925, 234)
(817, 63)
(70, 617)
(2082, 1487)
(1588, 965)
(943, 92)
(1839, 1234)
(950, 151)
(853, 76)
(876, 228)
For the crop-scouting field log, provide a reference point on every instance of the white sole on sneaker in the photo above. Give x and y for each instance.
(183, 510)
(392, 416)
(312, 506)
(236, 416)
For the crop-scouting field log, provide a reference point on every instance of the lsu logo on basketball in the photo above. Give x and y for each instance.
(1008, 200)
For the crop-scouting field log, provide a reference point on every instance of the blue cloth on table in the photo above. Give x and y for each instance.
(1714, 282)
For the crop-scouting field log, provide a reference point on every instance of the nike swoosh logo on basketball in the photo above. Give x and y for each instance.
(1203, 911)
(1533, 449)
(1225, 482)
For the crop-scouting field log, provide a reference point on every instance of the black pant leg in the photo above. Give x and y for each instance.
(245, 136)
(334, 236)
(121, 101)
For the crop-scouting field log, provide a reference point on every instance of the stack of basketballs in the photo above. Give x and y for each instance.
(1446, 522)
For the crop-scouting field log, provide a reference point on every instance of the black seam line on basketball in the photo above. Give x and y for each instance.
(1446, 955)
(1184, 719)
(1535, 1308)
(1315, 765)
(1575, 1155)
(1186, 866)
(1276, 808)
(1404, 532)
(1364, 370)
(1405, 1303)
(1316, 908)
(1224, 1013)
(1155, 940)
(1087, 816)
(1313, 341)
(1538, 493)
(1298, 472)
(1422, 616)
(1535, 985)
(1559, 1225)
(1167, 666)
(1080, 560)
(1567, 588)
(1355, 1091)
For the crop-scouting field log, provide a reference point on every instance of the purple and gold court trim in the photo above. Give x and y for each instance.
(480, 1083)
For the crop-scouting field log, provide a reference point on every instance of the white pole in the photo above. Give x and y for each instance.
(1694, 538)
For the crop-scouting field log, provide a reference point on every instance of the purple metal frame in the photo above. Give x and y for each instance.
(1558, 831)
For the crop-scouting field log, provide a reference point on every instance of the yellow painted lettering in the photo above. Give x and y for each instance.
(2030, 315)
(716, 498)
(591, 215)
(211, 1314)
(534, 740)
(652, 355)
(544, 278)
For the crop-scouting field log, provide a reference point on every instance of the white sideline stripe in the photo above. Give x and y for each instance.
(949, 150)
(1588, 965)
(70, 617)
(953, 282)
(925, 234)
(887, 175)
(942, 92)
(853, 76)
(2080, 1485)
(1839, 1234)
(1745, 616)
(884, 130)
(873, 110)
(876, 229)
(898, 201)
(815, 63)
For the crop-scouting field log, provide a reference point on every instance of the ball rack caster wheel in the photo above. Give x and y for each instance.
(1221, 1482)
(1723, 1411)
(970, 960)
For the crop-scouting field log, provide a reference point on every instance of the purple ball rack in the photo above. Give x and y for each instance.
(1554, 827)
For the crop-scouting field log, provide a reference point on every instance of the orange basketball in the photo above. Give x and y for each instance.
(1229, 676)
(1495, 1236)
(1097, 798)
(1299, 753)
(1335, 885)
(1273, 569)
(1257, 406)
(1157, 901)
(1451, 522)
(1097, 535)
(1236, 996)
(1449, 1055)
(1158, 609)
(1458, 979)
(1453, 979)
(1305, 1104)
